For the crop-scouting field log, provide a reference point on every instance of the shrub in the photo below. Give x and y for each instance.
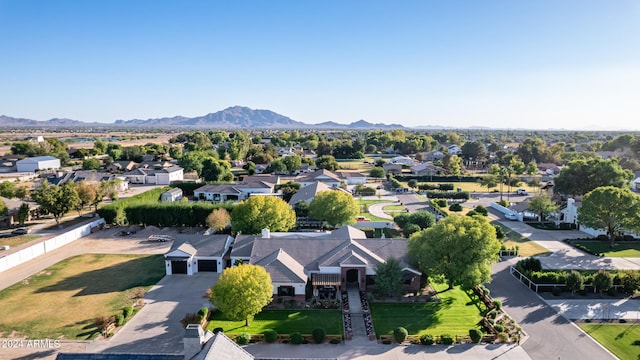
(410, 229)
(119, 319)
(555, 291)
(400, 334)
(481, 210)
(472, 213)
(497, 303)
(503, 337)
(190, 319)
(446, 339)
(203, 312)
(243, 338)
(475, 335)
(427, 339)
(319, 335)
(441, 202)
(529, 265)
(575, 281)
(270, 335)
(499, 328)
(492, 314)
(218, 330)
(127, 311)
(500, 234)
(296, 338)
(455, 207)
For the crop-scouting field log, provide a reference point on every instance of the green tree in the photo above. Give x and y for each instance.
(242, 291)
(610, 209)
(377, 172)
(99, 147)
(56, 200)
(388, 278)
(23, 213)
(292, 162)
(86, 195)
(532, 168)
(336, 207)
(574, 281)
(490, 181)
(579, 177)
(218, 219)
(216, 170)
(459, 248)
(91, 164)
(3, 208)
(327, 162)
(262, 212)
(603, 281)
(8, 189)
(542, 205)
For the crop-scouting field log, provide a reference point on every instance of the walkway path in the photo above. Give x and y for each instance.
(357, 319)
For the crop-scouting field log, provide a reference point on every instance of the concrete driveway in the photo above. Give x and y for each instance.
(157, 328)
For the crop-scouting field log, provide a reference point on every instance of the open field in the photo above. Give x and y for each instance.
(15, 240)
(455, 315)
(622, 339)
(283, 322)
(62, 301)
(526, 246)
(630, 249)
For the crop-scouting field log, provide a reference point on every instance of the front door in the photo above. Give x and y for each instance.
(353, 276)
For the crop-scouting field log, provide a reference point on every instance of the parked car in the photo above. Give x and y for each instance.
(20, 231)
(511, 216)
(362, 219)
(522, 192)
(6, 247)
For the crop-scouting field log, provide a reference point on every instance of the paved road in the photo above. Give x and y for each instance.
(551, 336)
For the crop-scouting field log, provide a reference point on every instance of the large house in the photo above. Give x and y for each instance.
(165, 176)
(321, 175)
(232, 192)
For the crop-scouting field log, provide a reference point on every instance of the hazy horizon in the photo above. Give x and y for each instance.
(571, 65)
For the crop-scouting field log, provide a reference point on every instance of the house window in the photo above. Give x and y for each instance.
(285, 291)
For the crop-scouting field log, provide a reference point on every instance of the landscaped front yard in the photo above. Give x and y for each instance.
(623, 340)
(455, 315)
(526, 246)
(62, 301)
(283, 322)
(621, 248)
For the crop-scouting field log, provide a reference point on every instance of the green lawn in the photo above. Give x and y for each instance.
(283, 322)
(14, 241)
(621, 249)
(623, 340)
(394, 208)
(526, 246)
(62, 301)
(455, 315)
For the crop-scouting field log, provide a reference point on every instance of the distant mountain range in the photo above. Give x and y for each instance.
(237, 117)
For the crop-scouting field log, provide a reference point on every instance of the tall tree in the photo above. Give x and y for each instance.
(242, 291)
(86, 195)
(336, 207)
(327, 162)
(459, 248)
(610, 209)
(262, 212)
(216, 170)
(579, 177)
(292, 162)
(56, 200)
(23, 213)
(389, 278)
(8, 189)
(603, 281)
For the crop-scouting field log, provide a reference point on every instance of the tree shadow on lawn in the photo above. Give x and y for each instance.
(116, 278)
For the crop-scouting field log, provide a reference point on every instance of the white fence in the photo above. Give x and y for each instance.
(43, 247)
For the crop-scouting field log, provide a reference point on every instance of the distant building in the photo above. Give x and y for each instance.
(37, 163)
(172, 195)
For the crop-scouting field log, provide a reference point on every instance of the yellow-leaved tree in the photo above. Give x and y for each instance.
(242, 291)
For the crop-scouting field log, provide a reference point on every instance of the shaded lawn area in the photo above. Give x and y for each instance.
(283, 322)
(62, 301)
(455, 315)
(526, 246)
(622, 340)
(621, 249)
(17, 240)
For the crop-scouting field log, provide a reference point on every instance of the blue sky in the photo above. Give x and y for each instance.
(506, 64)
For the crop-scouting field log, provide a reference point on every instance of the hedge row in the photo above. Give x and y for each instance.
(433, 194)
(442, 187)
(163, 214)
(427, 178)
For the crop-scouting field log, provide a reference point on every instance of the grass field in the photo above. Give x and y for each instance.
(455, 315)
(14, 241)
(621, 249)
(283, 322)
(62, 301)
(623, 340)
(526, 246)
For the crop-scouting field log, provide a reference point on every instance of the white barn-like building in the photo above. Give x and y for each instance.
(33, 164)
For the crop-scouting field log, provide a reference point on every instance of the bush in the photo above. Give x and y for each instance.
(441, 202)
(296, 338)
(475, 335)
(319, 335)
(497, 303)
(472, 213)
(400, 334)
(190, 319)
(555, 291)
(493, 314)
(218, 330)
(410, 229)
(481, 210)
(499, 328)
(427, 339)
(243, 339)
(127, 311)
(455, 207)
(270, 335)
(500, 234)
(119, 319)
(203, 312)
(529, 265)
(503, 337)
(446, 339)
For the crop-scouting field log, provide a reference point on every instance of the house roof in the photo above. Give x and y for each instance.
(220, 347)
(425, 166)
(308, 192)
(347, 174)
(283, 268)
(212, 245)
(218, 188)
(318, 175)
(37, 159)
(171, 169)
